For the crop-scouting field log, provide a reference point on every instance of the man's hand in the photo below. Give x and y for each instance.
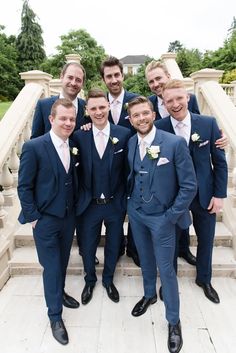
(215, 205)
(86, 127)
(222, 142)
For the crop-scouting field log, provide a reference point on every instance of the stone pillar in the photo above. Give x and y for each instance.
(73, 57)
(201, 76)
(172, 66)
(37, 76)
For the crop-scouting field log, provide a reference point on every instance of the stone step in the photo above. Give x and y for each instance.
(23, 235)
(25, 262)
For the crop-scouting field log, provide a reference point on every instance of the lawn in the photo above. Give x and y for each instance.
(3, 108)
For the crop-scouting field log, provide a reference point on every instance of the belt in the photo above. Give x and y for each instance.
(102, 201)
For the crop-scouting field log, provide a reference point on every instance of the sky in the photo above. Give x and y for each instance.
(128, 27)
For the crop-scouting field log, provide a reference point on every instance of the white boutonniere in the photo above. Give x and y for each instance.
(125, 106)
(153, 152)
(74, 151)
(195, 137)
(114, 140)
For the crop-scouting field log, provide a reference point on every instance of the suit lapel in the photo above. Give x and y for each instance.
(195, 128)
(51, 153)
(156, 142)
(111, 145)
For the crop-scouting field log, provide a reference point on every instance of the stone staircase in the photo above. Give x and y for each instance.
(25, 261)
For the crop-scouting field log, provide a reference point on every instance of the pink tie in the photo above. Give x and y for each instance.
(142, 149)
(65, 156)
(101, 143)
(115, 112)
(181, 130)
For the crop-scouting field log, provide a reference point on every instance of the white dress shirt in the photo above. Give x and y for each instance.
(116, 103)
(186, 129)
(161, 108)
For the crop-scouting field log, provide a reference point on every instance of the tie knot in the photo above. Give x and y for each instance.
(180, 125)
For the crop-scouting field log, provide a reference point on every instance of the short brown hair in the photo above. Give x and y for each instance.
(139, 100)
(61, 101)
(173, 84)
(109, 62)
(154, 65)
(74, 63)
(96, 93)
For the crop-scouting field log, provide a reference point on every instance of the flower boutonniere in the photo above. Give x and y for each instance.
(195, 137)
(153, 152)
(114, 140)
(74, 151)
(125, 106)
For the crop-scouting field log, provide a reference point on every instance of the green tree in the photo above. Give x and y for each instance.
(189, 60)
(29, 42)
(9, 77)
(138, 83)
(78, 42)
(175, 47)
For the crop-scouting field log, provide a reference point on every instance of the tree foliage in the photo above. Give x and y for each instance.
(138, 83)
(29, 42)
(79, 42)
(9, 78)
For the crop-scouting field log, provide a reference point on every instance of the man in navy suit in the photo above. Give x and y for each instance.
(201, 133)
(112, 74)
(161, 186)
(102, 196)
(72, 78)
(47, 188)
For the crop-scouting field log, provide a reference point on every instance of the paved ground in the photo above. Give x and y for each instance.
(106, 327)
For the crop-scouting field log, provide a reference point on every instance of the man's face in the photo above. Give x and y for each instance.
(141, 118)
(98, 110)
(72, 82)
(63, 123)
(156, 79)
(176, 102)
(113, 79)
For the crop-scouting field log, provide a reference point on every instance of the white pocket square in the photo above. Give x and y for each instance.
(162, 161)
(203, 143)
(119, 151)
(77, 164)
(126, 117)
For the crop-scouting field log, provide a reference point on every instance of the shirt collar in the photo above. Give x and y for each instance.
(149, 138)
(56, 140)
(186, 121)
(106, 130)
(74, 102)
(119, 99)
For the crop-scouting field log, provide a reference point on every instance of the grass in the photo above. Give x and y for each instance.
(3, 108)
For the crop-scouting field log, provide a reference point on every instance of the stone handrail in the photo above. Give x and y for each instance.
(15, 128)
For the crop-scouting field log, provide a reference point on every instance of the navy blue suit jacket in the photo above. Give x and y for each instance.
(118, 166)
(41, 123)
(209, 161)
(39, 178)
(124, 116)
(192, 105)
(172, 177)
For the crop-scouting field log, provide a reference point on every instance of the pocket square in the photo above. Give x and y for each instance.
(119, 151)
(162, 161)
(77, 164)
(126, 117)
(203, 143)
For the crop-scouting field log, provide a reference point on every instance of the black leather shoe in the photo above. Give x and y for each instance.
(209, 292)
(160, 294)
(189, 257)
(175, 341)
(141, 307)
(112, 292)
(134, 257)
(87, 294)
(59, 331)
(96, 261)
(69, 302)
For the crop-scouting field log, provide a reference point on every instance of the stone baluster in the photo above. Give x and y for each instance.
(3, 213)
(7, 181)
(14, 165)
(231, 162)
(20, 144)
(37, 76)
(172, 66)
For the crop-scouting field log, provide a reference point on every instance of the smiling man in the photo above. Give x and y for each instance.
(161, 186)
(102, 196)
(47, 190)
